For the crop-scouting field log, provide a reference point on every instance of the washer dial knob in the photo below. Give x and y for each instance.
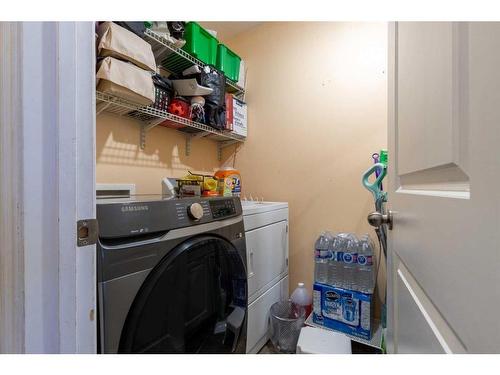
(195, 211)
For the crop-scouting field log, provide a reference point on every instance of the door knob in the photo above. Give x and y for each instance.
(376, 219)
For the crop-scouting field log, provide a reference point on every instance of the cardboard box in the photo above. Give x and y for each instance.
(126, 81)
(229, 111)
(343, 310)
(117, 41)
(241, 78)
(240, 118)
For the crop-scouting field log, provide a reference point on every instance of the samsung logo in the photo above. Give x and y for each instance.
(134, 208)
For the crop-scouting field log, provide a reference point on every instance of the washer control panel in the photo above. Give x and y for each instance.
(123, 218)
(195, 211)
(222, 207)
(187, 211)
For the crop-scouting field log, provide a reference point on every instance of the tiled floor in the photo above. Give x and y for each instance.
(268, 349)
(356, 347)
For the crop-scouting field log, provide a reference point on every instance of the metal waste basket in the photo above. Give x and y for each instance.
(287, 318)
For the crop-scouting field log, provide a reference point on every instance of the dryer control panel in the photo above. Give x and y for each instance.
(223, 207)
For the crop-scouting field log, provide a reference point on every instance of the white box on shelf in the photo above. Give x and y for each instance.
(241, 78)
(240, 121)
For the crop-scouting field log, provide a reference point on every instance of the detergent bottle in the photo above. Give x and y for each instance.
(229, 182)
(302, 297)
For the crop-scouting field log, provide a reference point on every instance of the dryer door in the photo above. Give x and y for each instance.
(193, 301)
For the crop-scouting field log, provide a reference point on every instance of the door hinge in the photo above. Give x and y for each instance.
(86, 232)
(287, 228)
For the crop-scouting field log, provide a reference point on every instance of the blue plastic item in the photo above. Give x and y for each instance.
(376, 159)
(375, 187)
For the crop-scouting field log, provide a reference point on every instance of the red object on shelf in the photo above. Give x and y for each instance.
(229, 112)
(208, 193)
(179, 107)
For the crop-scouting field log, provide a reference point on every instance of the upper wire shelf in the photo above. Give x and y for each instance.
(176, 60)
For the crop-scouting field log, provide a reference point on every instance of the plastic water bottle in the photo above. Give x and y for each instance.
(350, 257)
(365, 265)
(321, 255)
(335, 265)
(340, 245)
(302, 297)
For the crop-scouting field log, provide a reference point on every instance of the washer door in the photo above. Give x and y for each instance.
(193, 301)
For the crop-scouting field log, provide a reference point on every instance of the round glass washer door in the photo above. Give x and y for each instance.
(193, 301)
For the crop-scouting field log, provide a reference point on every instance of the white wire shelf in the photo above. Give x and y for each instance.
(149, 117)
(176, 60)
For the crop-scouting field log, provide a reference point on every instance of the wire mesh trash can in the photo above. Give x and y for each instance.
(287, 318)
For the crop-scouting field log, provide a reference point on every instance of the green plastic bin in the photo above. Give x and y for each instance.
(228, 62)
(200, 43)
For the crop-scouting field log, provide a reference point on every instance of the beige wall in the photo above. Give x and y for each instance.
(316, 96)
(120, 159)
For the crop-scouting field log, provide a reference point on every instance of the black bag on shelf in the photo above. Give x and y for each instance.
(176, 29)
(215, 103)
(137, 27)
(164, 91)
(213, 78)
(216, 80)
(215, 116)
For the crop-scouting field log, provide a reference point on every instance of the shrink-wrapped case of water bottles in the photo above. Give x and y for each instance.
(344, 276)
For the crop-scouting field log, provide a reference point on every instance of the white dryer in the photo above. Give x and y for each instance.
(266, 232)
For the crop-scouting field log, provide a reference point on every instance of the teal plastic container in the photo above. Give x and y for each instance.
(200, 43)
(228, 62)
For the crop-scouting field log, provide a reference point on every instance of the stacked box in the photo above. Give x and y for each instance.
(343, 310)
(229, 111)
(240, 126)
(228, 62)
(200, 43)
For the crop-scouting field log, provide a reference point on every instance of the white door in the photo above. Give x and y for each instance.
(444, 171)
(47, 184)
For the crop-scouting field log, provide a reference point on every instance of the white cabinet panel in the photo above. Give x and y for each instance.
(261, 219)
(285, 293)
(267, 257)
(259, 318)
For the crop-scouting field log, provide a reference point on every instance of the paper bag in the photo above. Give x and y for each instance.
(117, 41)
(126, 81)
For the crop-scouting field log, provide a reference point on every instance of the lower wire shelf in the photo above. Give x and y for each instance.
(149, 117)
